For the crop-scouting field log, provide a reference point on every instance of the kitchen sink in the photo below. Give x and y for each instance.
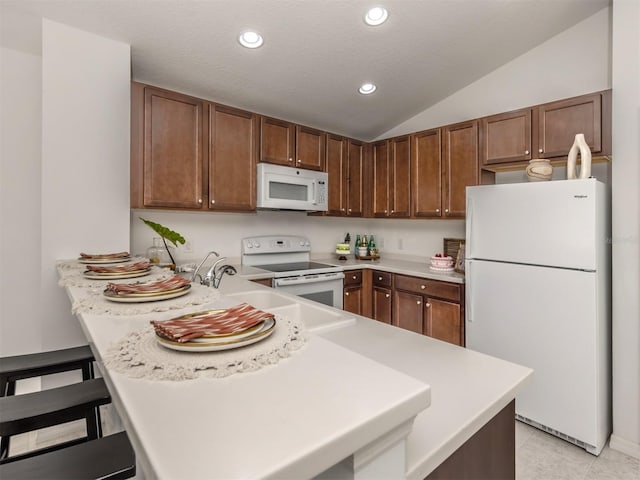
(262, 299)
(315, 318)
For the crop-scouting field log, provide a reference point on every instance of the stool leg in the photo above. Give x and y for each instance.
(94, 424)
(4, 447)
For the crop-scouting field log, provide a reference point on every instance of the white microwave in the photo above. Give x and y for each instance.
(287, 188)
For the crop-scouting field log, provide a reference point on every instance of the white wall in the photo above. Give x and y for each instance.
(626, 227)
(20, 112)
(85, 160)
(222, 232)
(575, 62)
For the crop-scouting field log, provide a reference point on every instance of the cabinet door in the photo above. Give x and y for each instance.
(380, 164)
(277, 139)
(336, 152)
(310, 146)
(355, 168)
(559, 122)
(443, 321)
(172, 158)
(352, 299)
(400, 178)
(460, 166)
(232, 159)
(506, 138)
(382, 304)
(426, 173)
(408, 311)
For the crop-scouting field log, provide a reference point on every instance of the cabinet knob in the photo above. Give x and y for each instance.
(387, 295)
(349, 209)
(393, 211)
(299, 161)
(354, 277)
(342, 209)
(418, 302)
(526, 152)
(427, 305)
(380, 278)
(212, 201)
(446, 210)
(437, 210)
(385, 212)
(540, 150)
(346, 293)
(422, 287)
(200, 201)
(291, 160)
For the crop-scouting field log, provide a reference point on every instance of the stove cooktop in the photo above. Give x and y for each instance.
(295, 267)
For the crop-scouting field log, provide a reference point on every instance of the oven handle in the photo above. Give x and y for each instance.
(307, 279)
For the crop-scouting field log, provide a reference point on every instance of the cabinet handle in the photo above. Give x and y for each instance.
(540, 150)
(200, 201)
(418, 302)
(422, 287)
(526, 152)
(212, 202)
(387, 295)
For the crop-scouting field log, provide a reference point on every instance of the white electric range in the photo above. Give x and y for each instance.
(288, 257)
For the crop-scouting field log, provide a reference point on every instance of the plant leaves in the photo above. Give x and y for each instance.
(164, 232)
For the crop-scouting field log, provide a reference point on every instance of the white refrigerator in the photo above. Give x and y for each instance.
(538, 288)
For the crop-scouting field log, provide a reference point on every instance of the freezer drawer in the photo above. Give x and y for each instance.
(547, 319)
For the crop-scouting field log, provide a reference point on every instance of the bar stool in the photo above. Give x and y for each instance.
(23, 413)
(111, 457)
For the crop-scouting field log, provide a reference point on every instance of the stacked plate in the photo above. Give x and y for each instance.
(104, 258)
(117, 271)
(215, 330)
(165, 289)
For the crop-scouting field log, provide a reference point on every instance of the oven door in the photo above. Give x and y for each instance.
(324, 288)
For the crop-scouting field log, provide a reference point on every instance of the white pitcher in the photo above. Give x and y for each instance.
(579, 146)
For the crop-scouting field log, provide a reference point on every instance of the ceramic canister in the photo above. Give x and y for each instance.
(539, 169)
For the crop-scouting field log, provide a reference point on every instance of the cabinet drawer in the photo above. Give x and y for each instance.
(353, 277)
(435, 288)
(381, 279)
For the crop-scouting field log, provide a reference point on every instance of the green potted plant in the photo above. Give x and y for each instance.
(166, 234)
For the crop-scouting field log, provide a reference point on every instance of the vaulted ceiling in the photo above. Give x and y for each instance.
(317, 53)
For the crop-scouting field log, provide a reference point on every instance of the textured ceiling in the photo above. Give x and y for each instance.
(317, 52)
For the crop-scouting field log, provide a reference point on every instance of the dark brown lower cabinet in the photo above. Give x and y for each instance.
(443, 320)
(490, 454)
(382, 304)
(408, 311)
(352, 293)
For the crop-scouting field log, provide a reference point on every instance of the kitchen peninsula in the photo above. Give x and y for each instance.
(359, 400)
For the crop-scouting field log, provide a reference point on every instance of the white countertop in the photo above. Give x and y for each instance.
(308, 412)
(294, 419)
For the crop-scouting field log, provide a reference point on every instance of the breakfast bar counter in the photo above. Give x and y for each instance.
(359, 399)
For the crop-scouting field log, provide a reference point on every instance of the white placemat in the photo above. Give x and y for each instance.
(139, 355)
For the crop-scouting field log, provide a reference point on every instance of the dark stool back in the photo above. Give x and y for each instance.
(29, 412)
(111, 457)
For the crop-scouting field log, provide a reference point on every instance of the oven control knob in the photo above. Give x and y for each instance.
(307, 244)
(249, 244)
(256, 244)
(301, 243)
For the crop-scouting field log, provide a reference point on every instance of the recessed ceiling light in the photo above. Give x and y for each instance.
(376, 16)
(367, 88)
(250, 39)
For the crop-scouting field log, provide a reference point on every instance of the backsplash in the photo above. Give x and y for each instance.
(222, 232)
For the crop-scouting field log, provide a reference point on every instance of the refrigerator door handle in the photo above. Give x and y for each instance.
(469, 294)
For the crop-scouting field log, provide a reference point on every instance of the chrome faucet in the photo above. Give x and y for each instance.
(196, 274)
(214, 275)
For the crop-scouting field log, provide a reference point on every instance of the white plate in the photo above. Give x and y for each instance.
(115, 276)
(104, 260)
(151, 297)
(267, 329)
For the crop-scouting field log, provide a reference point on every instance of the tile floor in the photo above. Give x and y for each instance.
(539, 456)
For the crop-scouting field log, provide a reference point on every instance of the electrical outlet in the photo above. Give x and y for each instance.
(187, 247)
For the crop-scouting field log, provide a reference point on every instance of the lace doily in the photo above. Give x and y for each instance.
(139, 355)
(71, 275)
(95, 302)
